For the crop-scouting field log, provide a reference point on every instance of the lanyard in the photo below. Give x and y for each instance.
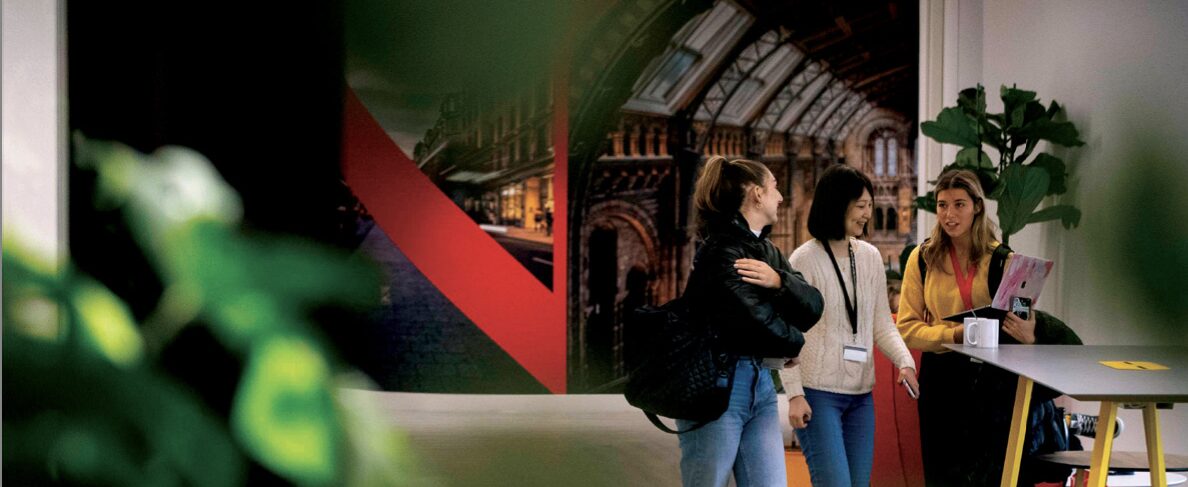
(964, 281)
(851, 310)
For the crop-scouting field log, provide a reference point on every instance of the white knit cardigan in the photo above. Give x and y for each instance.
(821, 364)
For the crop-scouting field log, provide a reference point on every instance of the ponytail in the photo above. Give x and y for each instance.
(721, 187)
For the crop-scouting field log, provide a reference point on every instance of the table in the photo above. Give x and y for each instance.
(1125, 461)
(1076, 371)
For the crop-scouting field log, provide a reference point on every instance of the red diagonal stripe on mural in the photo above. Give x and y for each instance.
(482, 279)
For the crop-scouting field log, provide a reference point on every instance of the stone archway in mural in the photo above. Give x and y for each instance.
(626, 39)
(811, 98)
(621, 265)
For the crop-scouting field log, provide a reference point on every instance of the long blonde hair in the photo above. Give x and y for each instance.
(981, 232)
(721, 187)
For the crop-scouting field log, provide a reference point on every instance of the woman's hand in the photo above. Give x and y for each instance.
(799, 412)
(1020, 329)
(909, 374)
(758, 273)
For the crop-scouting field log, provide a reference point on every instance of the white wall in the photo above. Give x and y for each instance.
(32, 147)
(1120, 68)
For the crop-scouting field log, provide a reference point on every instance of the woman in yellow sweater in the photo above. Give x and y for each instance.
(957, 256)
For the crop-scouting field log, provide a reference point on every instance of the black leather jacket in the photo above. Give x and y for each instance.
(750, 320)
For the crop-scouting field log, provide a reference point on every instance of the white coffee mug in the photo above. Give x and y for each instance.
(981, 332)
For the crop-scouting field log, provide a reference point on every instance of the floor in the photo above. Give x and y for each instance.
(527, 440)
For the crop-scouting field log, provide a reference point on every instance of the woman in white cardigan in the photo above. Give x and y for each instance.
(829, 392)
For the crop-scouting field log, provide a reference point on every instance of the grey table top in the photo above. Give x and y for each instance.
(1076, 370)
(1129, 461)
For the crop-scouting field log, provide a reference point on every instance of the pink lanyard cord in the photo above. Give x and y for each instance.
(964, 281)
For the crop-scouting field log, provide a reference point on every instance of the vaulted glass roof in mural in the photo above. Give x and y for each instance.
(806, 68)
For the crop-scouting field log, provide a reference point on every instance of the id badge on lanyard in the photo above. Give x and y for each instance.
(850, 353)
(853, 353)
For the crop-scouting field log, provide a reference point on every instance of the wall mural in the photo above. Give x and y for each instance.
(517, 226)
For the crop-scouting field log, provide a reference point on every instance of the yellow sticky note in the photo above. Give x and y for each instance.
(1132, 365)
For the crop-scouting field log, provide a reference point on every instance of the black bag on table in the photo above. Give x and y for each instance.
(677, 371)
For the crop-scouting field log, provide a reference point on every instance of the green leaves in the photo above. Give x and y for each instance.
(1056, 172)
(973, 158)
(107, 324)
(953, 127)
(76, 418)
(1069, 215)
(1021, 189)
(972, 101)
(1014, 103)
(1061, 133)
(94, 404)
(283, 411)
(926, 202)
(1018, 187)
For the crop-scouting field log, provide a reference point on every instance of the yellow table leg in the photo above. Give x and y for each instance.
(1014, 453)
(1156, 463)
(1099, 469)
(1079, 478)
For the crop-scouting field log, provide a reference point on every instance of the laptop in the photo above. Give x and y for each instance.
(1023, 277)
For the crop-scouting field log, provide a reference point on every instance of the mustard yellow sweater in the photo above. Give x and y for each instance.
(920, 324)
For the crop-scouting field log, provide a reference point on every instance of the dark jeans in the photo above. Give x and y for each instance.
(959, 447)
(965, 418)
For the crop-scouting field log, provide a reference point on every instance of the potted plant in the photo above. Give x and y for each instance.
(1018, 181)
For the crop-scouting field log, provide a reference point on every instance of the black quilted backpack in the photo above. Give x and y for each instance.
(677, 373)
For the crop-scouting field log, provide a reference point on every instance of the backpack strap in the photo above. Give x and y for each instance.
(921, 263)
(663, 427)
(997, 266)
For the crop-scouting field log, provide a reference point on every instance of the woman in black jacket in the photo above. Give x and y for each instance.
(759, 306)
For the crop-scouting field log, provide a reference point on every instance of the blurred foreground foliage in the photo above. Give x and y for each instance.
(1142, 240)
(87, 398)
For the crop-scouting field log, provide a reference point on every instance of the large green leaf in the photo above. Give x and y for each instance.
(284, 413)
(952, 127)
(1054, 109)
(1023, 189)
(1026, 151)
(992, 134)
(1032, 111)
(973, 101)
(1062, 133)
(72, 417)
(973, 158)
(1014, 103)
(107, 323)
(926, 202)
(1056, 172)
(988, 177)
(1069, 215)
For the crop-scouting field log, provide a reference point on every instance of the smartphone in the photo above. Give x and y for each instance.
(1021, 306)
(911, 392)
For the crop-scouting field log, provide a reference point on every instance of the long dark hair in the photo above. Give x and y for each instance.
(720, 188)
(838, 187)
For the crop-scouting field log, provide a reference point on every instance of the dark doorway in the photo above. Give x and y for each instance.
(600, 324)
(637, 295)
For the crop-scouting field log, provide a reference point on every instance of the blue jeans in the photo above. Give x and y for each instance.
(746, 439)
(838, 442)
